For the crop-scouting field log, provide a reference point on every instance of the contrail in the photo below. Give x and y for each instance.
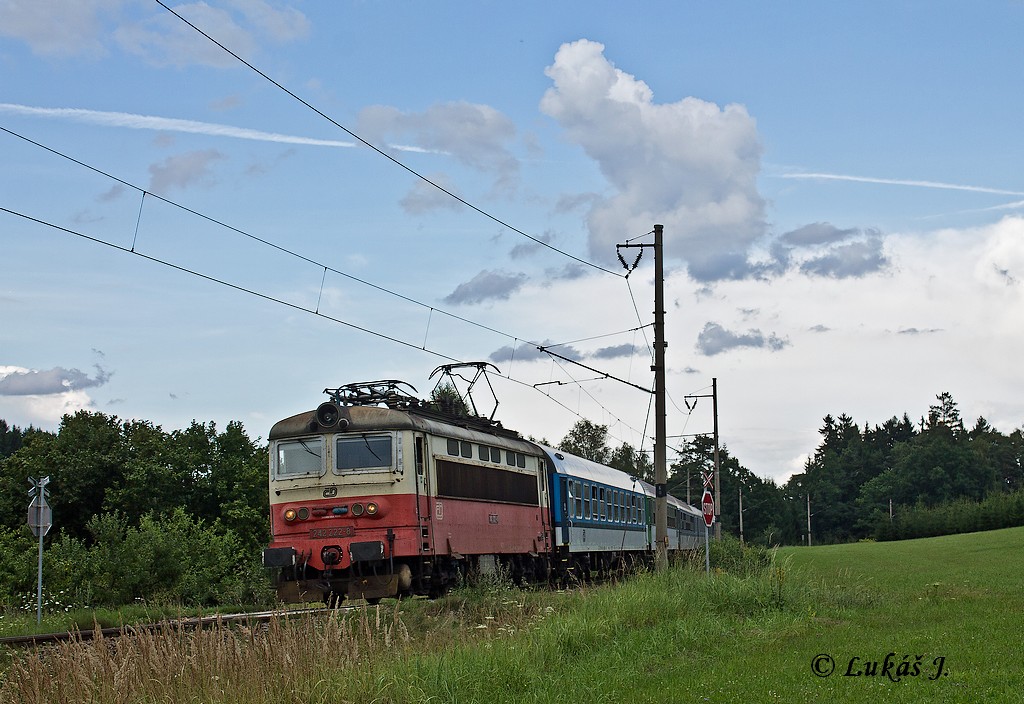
(170, 124)
(901, 182)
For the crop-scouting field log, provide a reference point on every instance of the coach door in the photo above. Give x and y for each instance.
(546, 506)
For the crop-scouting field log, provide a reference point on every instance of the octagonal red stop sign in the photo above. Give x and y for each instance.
(707, 505)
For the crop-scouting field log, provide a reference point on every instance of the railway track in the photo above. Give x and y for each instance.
(184, 623)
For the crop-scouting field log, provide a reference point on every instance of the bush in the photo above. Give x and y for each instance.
(176, 560)
(728, 554)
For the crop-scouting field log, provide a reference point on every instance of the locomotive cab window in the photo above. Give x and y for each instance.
(300, 457)
(363, 453)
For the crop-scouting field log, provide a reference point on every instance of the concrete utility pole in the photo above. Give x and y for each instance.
(660, 433)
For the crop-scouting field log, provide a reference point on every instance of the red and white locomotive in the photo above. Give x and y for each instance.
(377, 494)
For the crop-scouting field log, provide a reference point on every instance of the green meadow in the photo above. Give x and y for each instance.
(936, 620)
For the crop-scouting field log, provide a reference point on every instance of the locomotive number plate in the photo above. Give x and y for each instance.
(344, 532)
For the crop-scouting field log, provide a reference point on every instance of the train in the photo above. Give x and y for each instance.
(378, 494)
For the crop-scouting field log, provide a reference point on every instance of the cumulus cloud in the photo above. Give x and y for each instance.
(822, 249)
(165, 40)
(79, 31)
(94, 27)
(816, 233)
(182, 171)
(529, 248)
(528, 352)
(690, 165)
(614, 352)
(714, 339)
(475, 135)
(424, 198)
(16, 381)
(485, 286)
(849, 260)
(918, 331)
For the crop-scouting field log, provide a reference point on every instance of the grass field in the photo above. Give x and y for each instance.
(888, 611)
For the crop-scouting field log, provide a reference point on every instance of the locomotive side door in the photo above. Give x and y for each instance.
(423, 498)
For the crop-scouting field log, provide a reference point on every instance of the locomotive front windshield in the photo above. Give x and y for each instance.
(300, 457)
(363, 453)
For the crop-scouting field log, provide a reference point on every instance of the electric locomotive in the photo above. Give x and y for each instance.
(371, 500)
(378, 494)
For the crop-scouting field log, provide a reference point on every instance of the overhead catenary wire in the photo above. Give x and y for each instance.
(273, 299)
(144, 193)
(383, 153)
(285, 250)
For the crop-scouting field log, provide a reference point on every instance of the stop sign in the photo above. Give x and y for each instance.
(707, 505)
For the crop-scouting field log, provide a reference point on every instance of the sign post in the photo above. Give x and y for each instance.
(707, 505)
(40, 520)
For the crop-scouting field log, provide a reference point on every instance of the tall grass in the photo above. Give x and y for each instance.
(747, 632)
(301, 660)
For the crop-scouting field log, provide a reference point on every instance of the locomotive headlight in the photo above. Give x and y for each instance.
(357, 509)
(303, 513)
(371, 509)
(290, 515)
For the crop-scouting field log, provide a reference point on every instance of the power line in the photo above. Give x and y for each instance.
(249, 235)
(384, 154)
(304, 258)
(274, 299)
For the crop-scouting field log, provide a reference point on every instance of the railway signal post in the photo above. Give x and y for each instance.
(707, 505)
(40, 520)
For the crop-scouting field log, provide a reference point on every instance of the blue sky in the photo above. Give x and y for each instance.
(839, 184)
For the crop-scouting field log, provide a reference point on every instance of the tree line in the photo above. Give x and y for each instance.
(138, 511)
(894, 480)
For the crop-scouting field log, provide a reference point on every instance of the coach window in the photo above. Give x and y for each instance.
(520, 460)
(453, 447)
(586, 501)
(467, 449)
(495, 455)
(299, 457)
(483, 453)
(579, 499)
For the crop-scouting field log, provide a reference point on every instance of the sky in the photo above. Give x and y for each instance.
(213, 211)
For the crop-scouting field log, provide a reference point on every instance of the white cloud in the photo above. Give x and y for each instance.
(182, 171)
(85, 27)
(485, 286)
(475, 135)
(58, 27)
(689, 165)
(165, 124)
(41, 398)
(901, 182)
(424, 198)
